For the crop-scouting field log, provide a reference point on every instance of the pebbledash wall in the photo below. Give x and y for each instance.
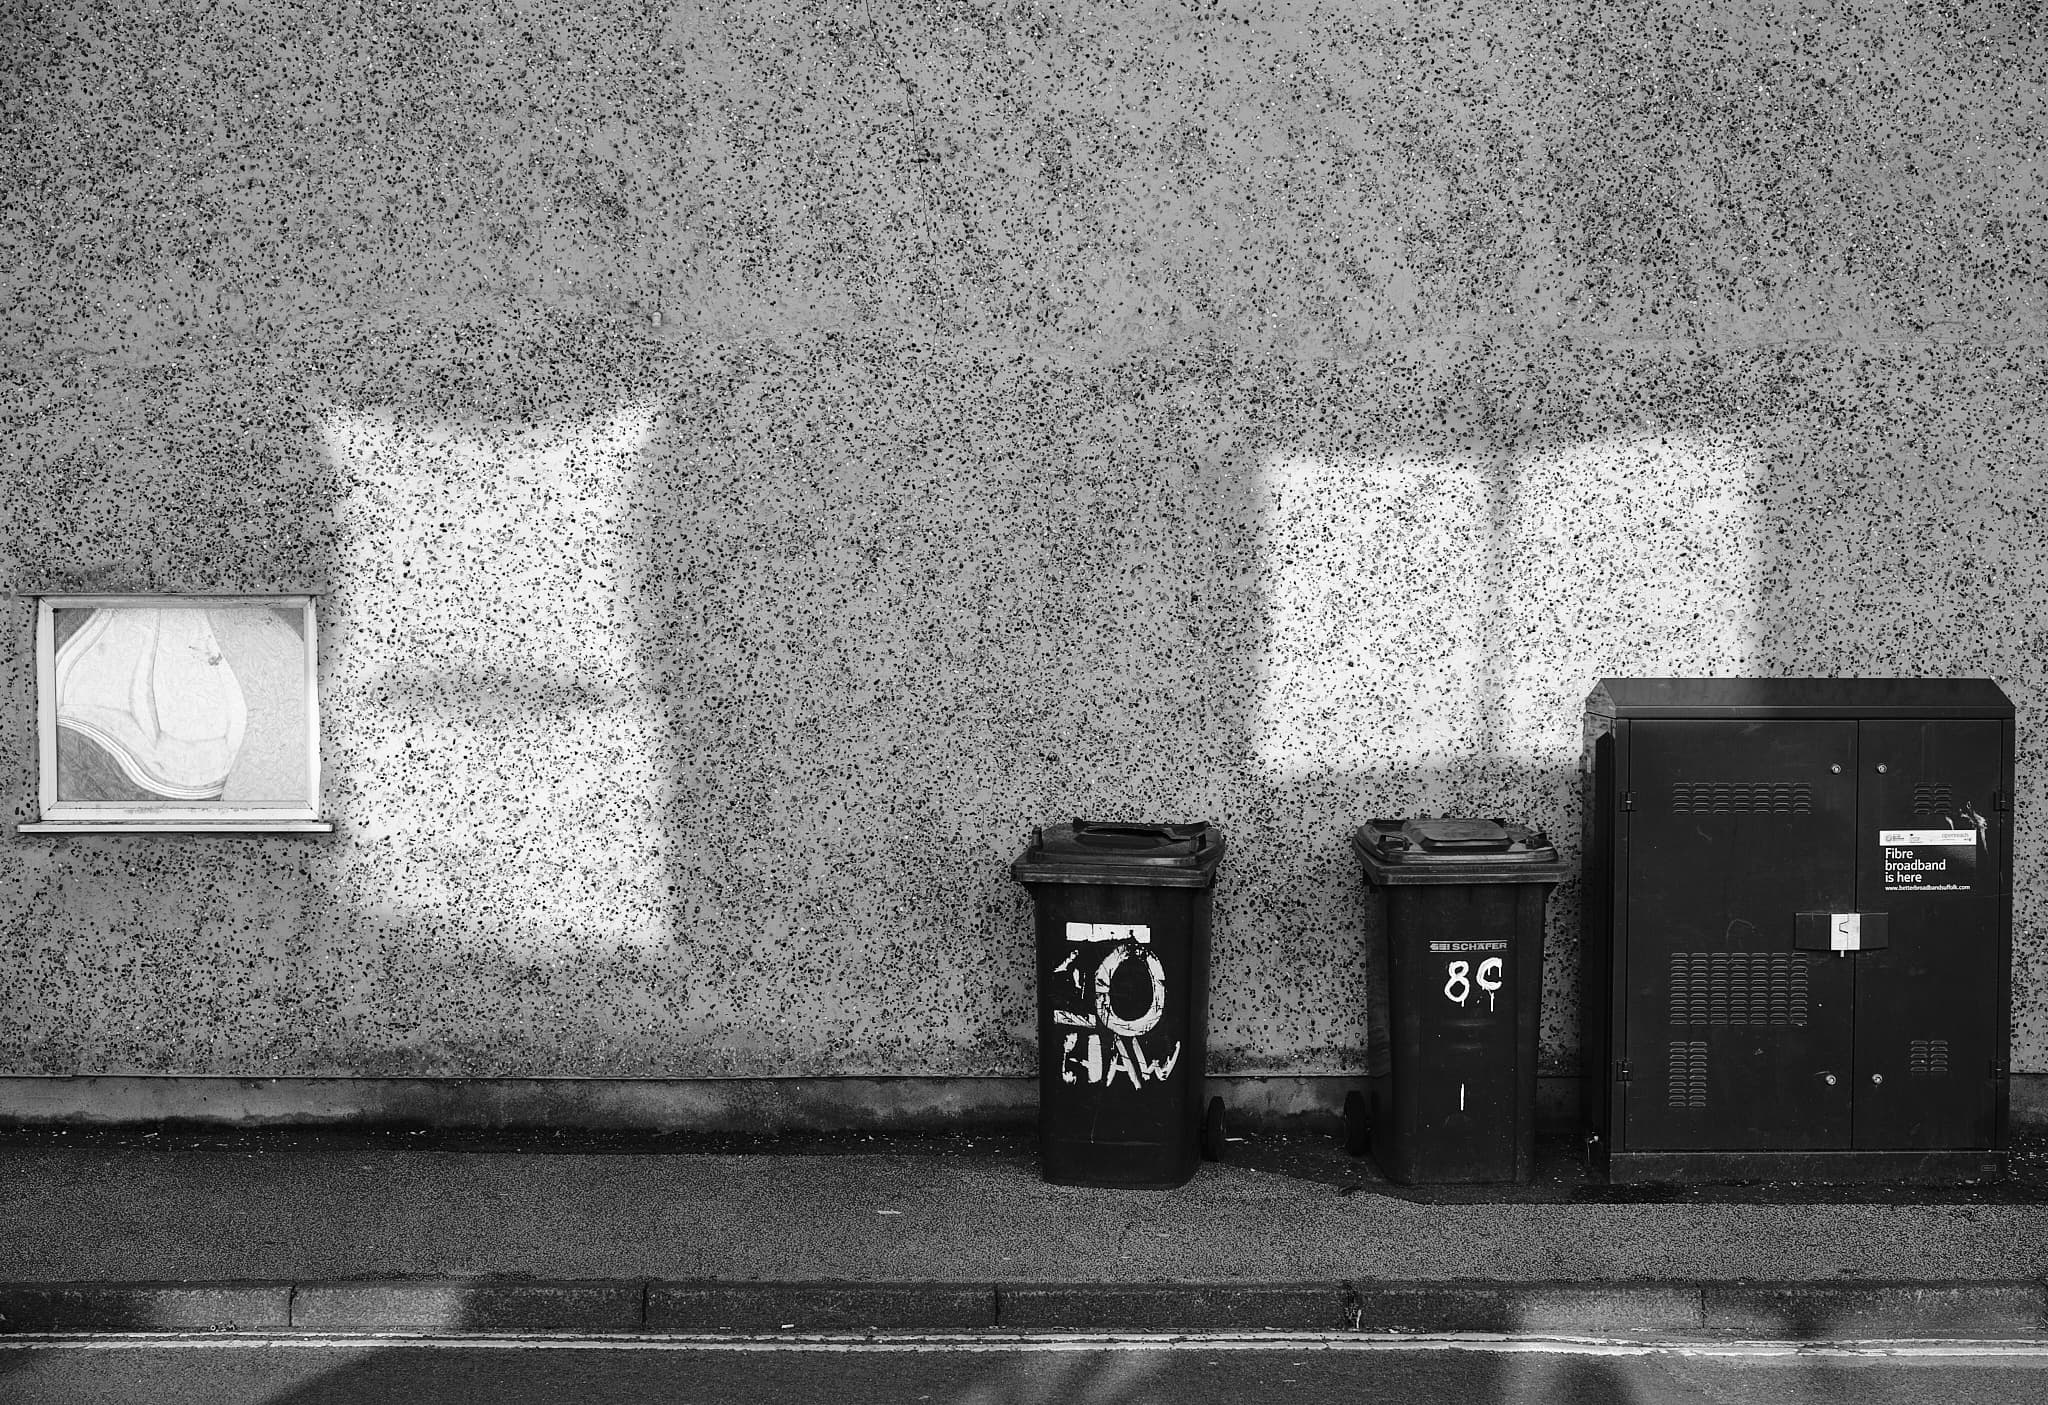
(758, 460)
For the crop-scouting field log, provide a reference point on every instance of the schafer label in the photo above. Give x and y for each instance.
(1928, 860)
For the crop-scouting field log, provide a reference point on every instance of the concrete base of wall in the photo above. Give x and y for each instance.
(720, 1105)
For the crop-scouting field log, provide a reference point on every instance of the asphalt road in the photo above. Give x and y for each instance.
(1193, 1371)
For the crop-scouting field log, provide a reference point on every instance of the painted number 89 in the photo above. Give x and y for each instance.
(1458, 989)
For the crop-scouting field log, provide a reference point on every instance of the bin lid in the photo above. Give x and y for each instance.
(1426, 850)
(1094, 851)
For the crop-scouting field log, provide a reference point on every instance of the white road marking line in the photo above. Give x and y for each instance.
(1887, 1349)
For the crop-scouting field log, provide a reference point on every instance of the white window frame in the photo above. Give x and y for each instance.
(113, 816)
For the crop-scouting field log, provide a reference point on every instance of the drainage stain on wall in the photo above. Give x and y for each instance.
(758, 461)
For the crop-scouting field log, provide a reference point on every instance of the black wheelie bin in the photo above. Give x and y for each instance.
(1122, 914)
(1454, 984)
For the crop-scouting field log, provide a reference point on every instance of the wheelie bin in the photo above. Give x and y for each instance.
(1122, 917)
(1454, 984)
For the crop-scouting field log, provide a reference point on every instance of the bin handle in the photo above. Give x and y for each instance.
(1112, 835)
(1468, 836)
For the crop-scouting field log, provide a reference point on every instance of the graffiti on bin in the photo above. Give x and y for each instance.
(1490, 973)
(1103, 1041)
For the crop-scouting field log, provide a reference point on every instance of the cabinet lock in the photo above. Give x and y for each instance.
(1841, 932)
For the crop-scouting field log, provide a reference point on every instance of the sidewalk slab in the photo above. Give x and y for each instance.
(474, 1306)
(144, 1307)
(1805, 1311)
(819, 1307)
(313, 1234)
(1172, 1307)
(1618, 1308)
(894, 1216)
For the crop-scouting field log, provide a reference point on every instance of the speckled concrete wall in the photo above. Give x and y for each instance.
(760, 460)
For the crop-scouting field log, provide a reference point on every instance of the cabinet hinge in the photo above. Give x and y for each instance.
(1628, 800)
(1998, 1073)
(2000, 801)
(1621, 1071)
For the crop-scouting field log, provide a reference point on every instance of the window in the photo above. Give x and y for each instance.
(174, 712)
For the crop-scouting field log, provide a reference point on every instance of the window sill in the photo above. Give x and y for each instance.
(175, 827)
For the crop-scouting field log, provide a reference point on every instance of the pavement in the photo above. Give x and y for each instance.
(167, 1231)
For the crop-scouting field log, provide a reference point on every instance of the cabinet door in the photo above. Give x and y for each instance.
(1737, 1040)
(1929, 1024)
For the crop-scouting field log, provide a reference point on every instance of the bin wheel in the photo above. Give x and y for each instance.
(1212, 1131)
(1357, 1124)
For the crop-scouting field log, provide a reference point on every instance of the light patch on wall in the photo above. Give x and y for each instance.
(1425, 607)
(484, 667)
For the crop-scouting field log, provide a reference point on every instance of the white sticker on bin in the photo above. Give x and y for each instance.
(1108, 932)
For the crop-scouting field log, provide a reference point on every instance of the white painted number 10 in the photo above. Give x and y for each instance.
(1458, 989)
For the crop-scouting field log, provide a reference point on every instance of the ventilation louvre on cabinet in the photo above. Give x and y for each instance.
(1932, 799)
(1741, 798)
(1927, 1058)
(1738, 988)
(1686, 1077)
